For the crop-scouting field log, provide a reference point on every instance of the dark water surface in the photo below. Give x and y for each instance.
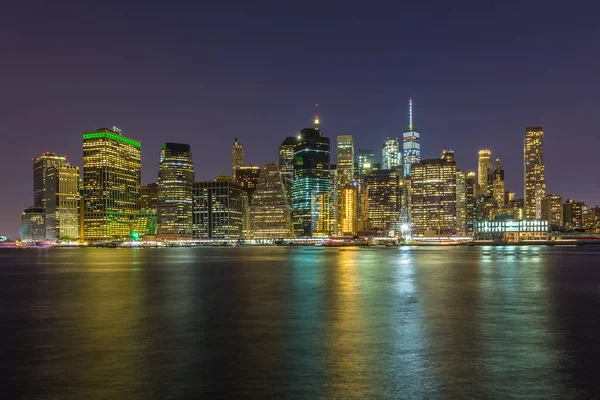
(304, 323)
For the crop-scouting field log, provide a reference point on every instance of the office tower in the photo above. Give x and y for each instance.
(286, 165)
(237, 156)
(175, 192)
(218, 210)
(535, 181)
(149, 197)
(111, 183)
(470, 200)
(552, 210)
(62, 202)
(270, 212)
(391, 156)
(483, 165)
(311, 186)
(433, 197)
(411, 145)
(495, 183)
(573, 214)
(40, 172)
(383, 200)
(365, 160)
(334, 200)
(348, 210)
(247, 177)
(33, 224)
(345, 158)
(589, 219)
(461, 203)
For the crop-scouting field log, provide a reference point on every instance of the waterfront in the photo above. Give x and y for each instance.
(301, 322)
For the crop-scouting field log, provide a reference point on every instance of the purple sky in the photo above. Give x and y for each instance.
(202, 73)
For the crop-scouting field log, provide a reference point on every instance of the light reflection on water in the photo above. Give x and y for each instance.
(495, 322)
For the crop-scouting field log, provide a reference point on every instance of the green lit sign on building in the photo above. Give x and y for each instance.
(108, 135)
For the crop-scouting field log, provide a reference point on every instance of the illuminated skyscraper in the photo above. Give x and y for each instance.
(334, 200)
(40, 172)
(286, 165)
(391, 156)
(411, 145)
(383, 200)
(365, 160)
(345, 158)
(483, 164)
(270, 212)
(311, 186)
(62, 202)
(247, 177)
(218, 210)
(175, 192)
(471, 182)
(348, 210)
(535, 181)
(237, 156)
(495, 183)
(573, 214)
(433, 196)
(552, 211)
(461, 203)
(111, 183)
(33, 224)
(149, 197)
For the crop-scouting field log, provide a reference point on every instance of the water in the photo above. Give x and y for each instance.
(305, 323)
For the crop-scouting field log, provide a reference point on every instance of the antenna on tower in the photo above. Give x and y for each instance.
(410, 122)
(316, 116)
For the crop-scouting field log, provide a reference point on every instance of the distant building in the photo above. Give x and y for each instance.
(483, 165)
(348, 210)
(41, 165)
(470, 200)
(247, 177)
(62, 202)
(218, 210)
(383, 200)
(391, 154)
(433, 196)
(365, 160)
(411, 145)
(286, 165)
(573, 214)
(495, 183)
(175, 192)
(535, 181)
(334, 200)
(461, 203)
(270, 212)
(33, 224)
(237, 156)
(511, 231)
(345, 158)
(552, 211)
(149, 197)
(111, 183)
(312, 183)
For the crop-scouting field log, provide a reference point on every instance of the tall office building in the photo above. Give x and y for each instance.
(270, 212)
(40, 172)
(411, 144)
(237, 156)
(111, 183)
(218, 210)
(334, 200)
(483, 165)
(552, 210)
(311, 186)
(149, 197)
(175, 192)
(495, 183)
(433, 196)
(461, 203)
(33, 224)
(62, 202)
(286, 165)
(470, 199)
(535, 181)
(247, 177)
(348, 210)
(365, 160)
(383, 200)
(573, 214)
(345, 158)
(391, 155)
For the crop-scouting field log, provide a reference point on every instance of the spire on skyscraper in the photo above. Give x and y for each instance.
(317, 123)
(410, 121)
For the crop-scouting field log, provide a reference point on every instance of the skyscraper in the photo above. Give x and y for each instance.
(175, 192)
(552, 210)
(365, 159)
(471, 182)
(345, 158)
(62, 202)
(433, 197)
(286, 165)
(247, 177)
(348, 210)
(111, 183)
(383, 200)
(149, 197)
(33, 224)
(535, 181)
(218, 210)
(461, 203)
(40, 172)
(311, 185)
(270, 212)
(573, 214)
(334, 199)
(237, 156)
(391, 156)
(495, 183)
(411, 145)
(483, 164)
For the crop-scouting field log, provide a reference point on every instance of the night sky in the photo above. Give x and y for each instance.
(203, 72)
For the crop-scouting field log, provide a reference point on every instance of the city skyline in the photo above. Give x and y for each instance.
(469, 92)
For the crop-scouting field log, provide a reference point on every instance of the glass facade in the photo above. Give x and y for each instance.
(33, 224)
(111, 184)
(535, 180)
(175, 192)
(391, 155)
(286, 165)
(411, 145)
(511, 231)
(218, 210)
(345, 158)
(365, 160)
(270, 212)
